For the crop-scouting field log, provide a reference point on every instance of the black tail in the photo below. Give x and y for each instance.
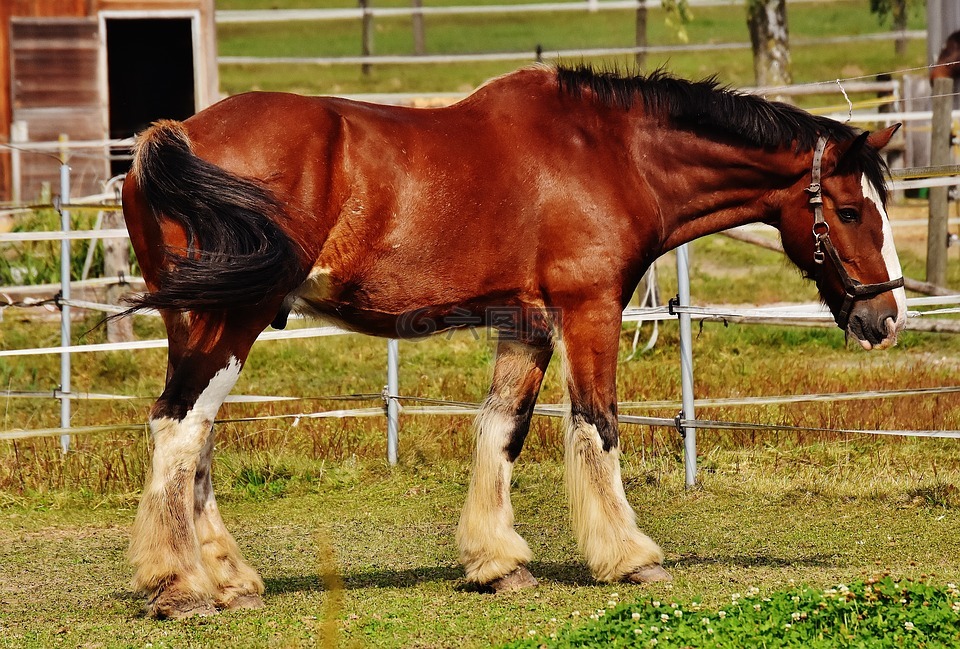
(237, 255)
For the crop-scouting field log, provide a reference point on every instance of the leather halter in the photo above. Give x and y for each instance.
(823, 247)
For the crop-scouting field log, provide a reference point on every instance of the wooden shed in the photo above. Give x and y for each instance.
(93, 70)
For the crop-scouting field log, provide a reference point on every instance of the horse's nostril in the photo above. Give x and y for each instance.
(856, 327)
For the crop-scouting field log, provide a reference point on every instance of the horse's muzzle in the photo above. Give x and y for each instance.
(875, 332)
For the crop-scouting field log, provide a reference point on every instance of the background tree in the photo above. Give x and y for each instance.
(896, 11)
(769, 36)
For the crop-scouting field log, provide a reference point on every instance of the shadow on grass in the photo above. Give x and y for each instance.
(371, 578)
(571, 574)
(755, 561)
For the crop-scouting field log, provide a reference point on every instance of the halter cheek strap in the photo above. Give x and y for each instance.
(823, 246)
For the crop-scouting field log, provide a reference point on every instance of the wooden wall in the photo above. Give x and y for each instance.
(58, 82)
(29, 8)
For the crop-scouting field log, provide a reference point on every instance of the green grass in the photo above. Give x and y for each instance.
(876, 612)
(829, 515)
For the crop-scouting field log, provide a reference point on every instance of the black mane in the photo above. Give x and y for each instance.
(708, 105)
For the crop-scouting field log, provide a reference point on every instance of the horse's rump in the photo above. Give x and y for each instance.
(236, 252)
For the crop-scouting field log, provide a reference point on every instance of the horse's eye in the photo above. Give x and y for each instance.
(848, 214)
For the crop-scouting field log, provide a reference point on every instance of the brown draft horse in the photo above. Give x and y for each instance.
(544, 195)
(947, 65)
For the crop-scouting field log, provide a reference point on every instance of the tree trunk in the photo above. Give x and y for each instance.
(899, 11)
(767, 22)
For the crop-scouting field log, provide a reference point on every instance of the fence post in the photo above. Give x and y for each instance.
(641, 38)
(419, 33)
(65, 337)
(18, 135)
(366, 36)
(686, 368)
(393, 407)
(938, 228)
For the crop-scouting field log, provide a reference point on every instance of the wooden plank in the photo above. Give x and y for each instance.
(56, 90)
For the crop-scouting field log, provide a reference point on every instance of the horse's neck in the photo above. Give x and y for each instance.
(713, 186)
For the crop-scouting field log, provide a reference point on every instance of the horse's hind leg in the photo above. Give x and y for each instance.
(603, 520)
(491, 551)
(236, 584)
(186, 562)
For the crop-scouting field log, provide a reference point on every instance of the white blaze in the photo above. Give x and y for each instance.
(888, 250)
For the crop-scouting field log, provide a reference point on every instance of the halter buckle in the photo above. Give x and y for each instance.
(816, 198)
(818, 255)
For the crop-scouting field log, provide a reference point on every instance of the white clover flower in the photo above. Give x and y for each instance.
(678, 613)
(908, 626)
(956, 606)
(795, 599)
(721, 614)
(767, 599)
(531, 632)
(654, 629)
(735, 596)
(614, 595)
(787, 626)
(664, 617)
(903, 601)
(753, 590)
(653, 641)
(637, 631)
(553, 619)
(952, 586)
(795, 615)
(634, 616)
(575, 614)
(611, 604)
(756, 607)
(709, 630)
(656, 604)
(674, 605)
(594, 616)
(705, 621)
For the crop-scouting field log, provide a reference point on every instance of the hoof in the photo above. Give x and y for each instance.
(245, 602)
(519, 579)
(648, 574)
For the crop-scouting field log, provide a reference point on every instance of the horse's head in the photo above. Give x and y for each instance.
(836, 230)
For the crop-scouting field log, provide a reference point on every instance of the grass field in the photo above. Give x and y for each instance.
(519, 33)
(356, 553)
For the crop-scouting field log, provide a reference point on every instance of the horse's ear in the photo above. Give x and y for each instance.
(843, 153)
(846, 152)
(880, 139)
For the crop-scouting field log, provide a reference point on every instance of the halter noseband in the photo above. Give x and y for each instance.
(823, 247)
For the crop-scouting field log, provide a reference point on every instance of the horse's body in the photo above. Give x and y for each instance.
(535, 204)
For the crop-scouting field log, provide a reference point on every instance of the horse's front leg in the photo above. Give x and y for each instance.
(185, 561)
(603, 521)
(491, 551)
